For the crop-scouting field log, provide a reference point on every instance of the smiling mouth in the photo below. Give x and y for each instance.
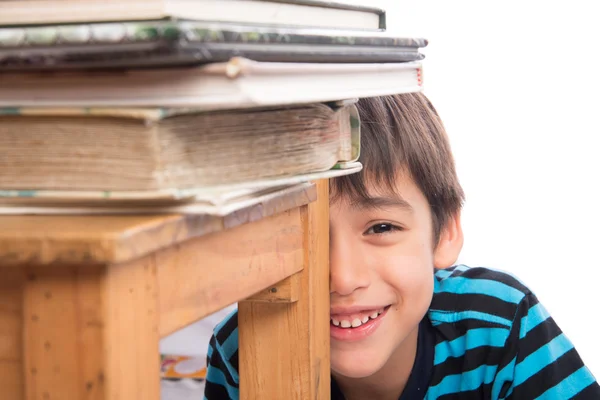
(357, 320)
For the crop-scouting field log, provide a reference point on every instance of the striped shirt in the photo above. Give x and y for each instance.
(485, 336)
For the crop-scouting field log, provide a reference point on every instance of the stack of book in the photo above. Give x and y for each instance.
(189, 106)
(192, 106)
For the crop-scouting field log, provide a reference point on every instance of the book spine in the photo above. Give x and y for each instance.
(192, 32)
(349, 139)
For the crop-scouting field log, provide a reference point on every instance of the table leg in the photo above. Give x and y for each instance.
(12, 385)
(91, 332)
(284, 347)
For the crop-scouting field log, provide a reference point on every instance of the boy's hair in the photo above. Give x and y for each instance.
(399, 134)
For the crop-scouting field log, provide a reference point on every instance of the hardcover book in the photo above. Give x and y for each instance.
(238, 83)
(180, 43)
(315, 13)
(125, 150)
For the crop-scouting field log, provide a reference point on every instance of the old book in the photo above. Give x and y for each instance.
(150, 150)
(136, 44)
(236, 203)
(238, 83)
(316, 13)
(244, 203)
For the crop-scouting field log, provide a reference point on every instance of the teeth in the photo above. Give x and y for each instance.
(356, 322)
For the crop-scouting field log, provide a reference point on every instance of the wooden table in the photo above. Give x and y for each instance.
(84, 300)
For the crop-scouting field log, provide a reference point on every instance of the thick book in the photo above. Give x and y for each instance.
(241, 202)
(179, 43)
(315, 13)
(153, 150)
(238, 83)
(219, 203)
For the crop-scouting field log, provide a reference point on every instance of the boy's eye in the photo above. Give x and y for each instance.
(381, 228)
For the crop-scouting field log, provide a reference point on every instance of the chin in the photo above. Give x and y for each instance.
(355, 365)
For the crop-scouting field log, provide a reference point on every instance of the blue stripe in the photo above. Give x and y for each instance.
(540, 358)
(216, 376)
(535, 316)
(460, 285)
(463, 382)
(227, 349)
(451, 317)
(230, 345)
(474, 338)
(506, 374)
(445, 273)
(221, 324)
(569, 386)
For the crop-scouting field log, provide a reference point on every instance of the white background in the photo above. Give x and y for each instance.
(517, 85)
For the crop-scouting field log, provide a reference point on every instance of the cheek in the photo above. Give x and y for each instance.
(410, 276)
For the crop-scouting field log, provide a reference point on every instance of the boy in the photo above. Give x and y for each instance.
(405, 322)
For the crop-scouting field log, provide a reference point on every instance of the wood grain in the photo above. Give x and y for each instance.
(91, 333)
(285, 291)
(11, 335)
(206, 274)
(131, 331)
(63, 327)
(294, 335)
(88, 240)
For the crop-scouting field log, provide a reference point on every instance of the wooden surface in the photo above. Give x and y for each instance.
(91, 333)
(88, 240)
(285, 291)
(284, 347)
(206, 274)
(63, 317)
(12, 383)
(84, 300)
(131, 335)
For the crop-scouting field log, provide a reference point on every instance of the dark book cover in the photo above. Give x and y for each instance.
(177, 42)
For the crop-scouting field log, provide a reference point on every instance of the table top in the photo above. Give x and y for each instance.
(94, 239)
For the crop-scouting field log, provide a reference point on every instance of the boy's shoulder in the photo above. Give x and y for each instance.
(222, 378)
(225, 338)
(476, 294)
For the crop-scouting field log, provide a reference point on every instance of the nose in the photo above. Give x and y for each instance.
(348, 271)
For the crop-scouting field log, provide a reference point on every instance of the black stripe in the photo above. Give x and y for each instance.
(449, 331)
(234, 361)
(550, 376)
(592, 392)
(505, 388)
(214, 391)
(482, 392)
(472, 359)
(453, 271)
(453, 302)
(228, 328)
(538, 337)
(511, 346)
(216, 361)
(498, 276)
(336, 393)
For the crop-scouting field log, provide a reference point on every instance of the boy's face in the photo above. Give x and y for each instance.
(382, 261)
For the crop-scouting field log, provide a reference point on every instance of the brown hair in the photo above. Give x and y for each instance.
(403, 133)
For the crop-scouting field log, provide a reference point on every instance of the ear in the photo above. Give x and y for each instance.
(450, 243)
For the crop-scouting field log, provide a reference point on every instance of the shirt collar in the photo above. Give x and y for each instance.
(420, 375)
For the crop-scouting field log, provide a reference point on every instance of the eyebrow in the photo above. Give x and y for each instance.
(379, 202)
